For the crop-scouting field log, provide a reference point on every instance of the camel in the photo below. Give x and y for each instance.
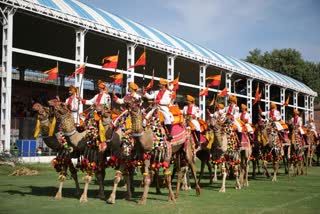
(93, 156)
(157, 154)
(274, 150)
(223, 151)
(63, 160)
(298, 152)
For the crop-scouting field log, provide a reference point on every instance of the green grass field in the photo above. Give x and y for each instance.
(34, 194)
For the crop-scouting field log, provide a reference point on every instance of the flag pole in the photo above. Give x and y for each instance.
(115, 69)
(216, 97)
(57, 79)
(80, 88)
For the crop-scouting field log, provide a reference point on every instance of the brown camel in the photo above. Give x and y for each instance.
(63, 160)
(93, 158)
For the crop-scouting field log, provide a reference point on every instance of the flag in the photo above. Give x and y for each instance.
(223, 93)
(141, 61)
(52, 74)
(216, 79)
(79, 70)
(150, 85)
(257, 97)
(175, 83)
(117, 79)
(286, 103)
(110, 62)
(204, 92)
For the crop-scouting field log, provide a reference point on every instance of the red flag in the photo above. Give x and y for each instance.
(79, 70)
(223, 93)
(286, 103)
(110, 62)
(52, 74)
(257, 97)
(140, 62)
(175, 83)
(117, 79)
(204, 92)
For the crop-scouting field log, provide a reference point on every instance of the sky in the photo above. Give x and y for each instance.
(230, 27)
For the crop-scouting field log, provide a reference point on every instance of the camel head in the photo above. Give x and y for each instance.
(105, 113)
(43, 112)
(134, 107)
(60, 108)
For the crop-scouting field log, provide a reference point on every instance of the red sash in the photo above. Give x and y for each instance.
(99, 98)
(189, 110)
(271, 113)
(243, 116)
(230, 109)
(160, 95)
(70, 100)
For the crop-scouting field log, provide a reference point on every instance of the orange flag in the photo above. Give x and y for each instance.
(223, 93)
(216, 79)
(286, 103)
(141, 61)
(204, 92)
(79, 70)
(110, 62)
(150, 85)
(257, 97)
(52, 74)
(175, 83)
(117, 79)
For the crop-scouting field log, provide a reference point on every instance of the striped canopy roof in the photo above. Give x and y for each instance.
(98, 19)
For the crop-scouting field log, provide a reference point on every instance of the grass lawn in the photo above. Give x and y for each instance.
(34, 194)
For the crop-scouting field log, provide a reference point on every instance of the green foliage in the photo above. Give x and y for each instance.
(288, 62)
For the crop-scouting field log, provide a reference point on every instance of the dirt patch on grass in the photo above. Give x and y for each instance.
(24, 171)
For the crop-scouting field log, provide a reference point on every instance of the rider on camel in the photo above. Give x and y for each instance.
(73, 103)
(132, 92)
(102, 98)
(162, 99)
(232, 113)
(297, 122)
(275, 116)
(245, 117)
(312, 126)
(192, 112)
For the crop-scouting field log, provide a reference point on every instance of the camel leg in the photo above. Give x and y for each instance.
(224, 176)
(237, 174)
(100, 178)
(157, 180)
(265, 167)
(147, 181)
(210, 171)
(62, 178)
(275, 170)
(167, 173)
(74, 175)
(246, 183)
(193, 169)
(254, 167)
(178, 170)
(117, 178)
(215, 178)
(201, 170)
(84, 196)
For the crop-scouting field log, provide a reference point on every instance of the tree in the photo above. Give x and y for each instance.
(288, 62)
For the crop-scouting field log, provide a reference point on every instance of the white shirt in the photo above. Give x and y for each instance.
(101, 98)
(159, 97)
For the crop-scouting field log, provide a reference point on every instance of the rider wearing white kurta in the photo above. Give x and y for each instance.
(232, 112)
(274, 115)
(132, 92)
(312, 126)
(102, 98)
(73, 103)
(297, 121)
(192, 112)
(162, 99)
(246, 118)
